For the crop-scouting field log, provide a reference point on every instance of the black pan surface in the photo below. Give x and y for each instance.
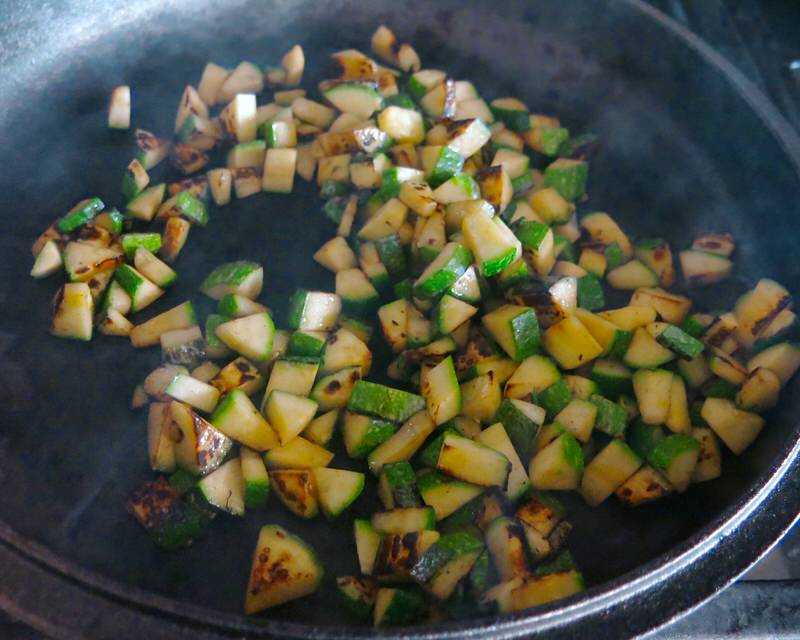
(688, 146)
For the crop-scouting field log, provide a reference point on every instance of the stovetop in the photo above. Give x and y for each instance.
(762, 38)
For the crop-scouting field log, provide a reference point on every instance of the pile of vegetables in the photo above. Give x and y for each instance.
(458, 235)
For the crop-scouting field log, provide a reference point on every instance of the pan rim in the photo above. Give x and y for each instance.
(764, 503)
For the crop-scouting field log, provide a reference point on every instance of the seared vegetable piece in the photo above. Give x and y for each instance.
(473, 462)
(496, 438)
(256, 479)
(288, 414)
(521, 421)
(537, 590)
(224, 488)
(394, 607)
(284, 568)
(201, 447)
(251, 336)
(296, 490)
(446, 563)
(736, 428)
(505, 539)
(243, 278)
(403, 444)
(172, 521)
(515, 329)
(607, 471)
(357, 595)
(397, 486)
(559, 465)
(441, 391)
(73, 310)
(299, 453)
(384, 402)
(445, 495)
(642, 487)
(337, 489)
(236, 417)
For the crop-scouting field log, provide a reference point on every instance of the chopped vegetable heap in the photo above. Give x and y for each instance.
(463, 233)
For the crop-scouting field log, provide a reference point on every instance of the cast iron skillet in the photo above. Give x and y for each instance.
(688, 146)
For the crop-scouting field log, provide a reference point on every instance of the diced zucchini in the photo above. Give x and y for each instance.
(709, 460)
(397, 486)
(676, 457)
(491, 242)
(726, 367)
(152, 268)
(533, 375)
(441, 392)
(176, 232)
(570, 343)
(404, 520)
(336, 255)
(72, 312)
(537, 590)
(333, 391)
(559, 465)
(695, 371)
(671, 307)
(756, 310)
(403, 444)
(481, 398)
(356, 292)
(736, 428)
(289, 414)
(642, 487)
(368, 541)
(568, 177)
(630, 318)
(703, 268)
(612, 338)
(160, 443)
(675, 339)
(783, 359)
(149, 333)
(645, 353)
(678, 420)
(384, 402)
(578, 417)
(280, 166)
(82, 261)
(363, 433)
(632, 275)
(444, 495)
(48, 261)
(394, 607)
(505, 540)
(473, 462)
(193, 392)
(250, 336)
(237, 418)
(515, 329)
(314, 310)
(292, 376)
(451, 263)
(256, 479)
(521, 421)
(607, 471)
(446, 563)
(337, 489)
(759, 391)
(656, 254)
(284, 568)
(653, 389)
(171, 521)
(449, 314)
(224, 488)
(357, 595)
(241, 277)
(404, 126)
(359, 98)
(296, 490)
(497, 438)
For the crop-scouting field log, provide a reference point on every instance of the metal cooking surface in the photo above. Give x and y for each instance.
(70, 449)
